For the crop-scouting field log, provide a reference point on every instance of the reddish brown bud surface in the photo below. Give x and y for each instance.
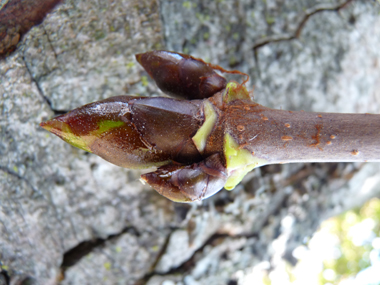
(201, 146)
(181, 75)
(133, 132)
(189, 183)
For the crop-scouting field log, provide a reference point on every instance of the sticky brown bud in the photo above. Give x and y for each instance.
(181, 75)
(191, 182)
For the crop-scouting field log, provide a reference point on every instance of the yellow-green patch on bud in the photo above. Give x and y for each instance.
(235, 91)
(239, 162)
(200, 138)
(107, 125)
(63, 130)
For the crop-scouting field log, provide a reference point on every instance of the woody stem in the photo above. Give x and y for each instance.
(286, 136)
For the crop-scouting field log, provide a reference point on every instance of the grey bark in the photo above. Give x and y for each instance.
(69, 217)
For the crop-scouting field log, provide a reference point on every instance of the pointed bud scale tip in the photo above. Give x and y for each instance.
(138, 57)
(61, 129)
(45, 125)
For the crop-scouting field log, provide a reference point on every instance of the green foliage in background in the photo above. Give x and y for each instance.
(354, 257)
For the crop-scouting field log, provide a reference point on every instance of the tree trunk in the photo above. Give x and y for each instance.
(70, 217)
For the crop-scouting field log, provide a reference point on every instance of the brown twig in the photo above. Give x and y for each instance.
(17, 17)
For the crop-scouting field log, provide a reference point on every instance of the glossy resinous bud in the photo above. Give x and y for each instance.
(181, 75)
(190, 182)
(132, 132)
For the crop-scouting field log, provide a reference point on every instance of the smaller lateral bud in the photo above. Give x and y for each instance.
(191, 182)
(181, 75)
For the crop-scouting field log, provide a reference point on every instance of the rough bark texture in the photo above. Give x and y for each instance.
(67, 216)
